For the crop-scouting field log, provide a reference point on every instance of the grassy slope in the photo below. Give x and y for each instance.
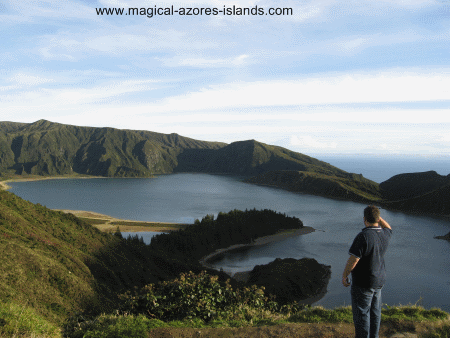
(56, 264)
(44, 255)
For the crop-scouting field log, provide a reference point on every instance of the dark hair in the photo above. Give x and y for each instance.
(372, 214)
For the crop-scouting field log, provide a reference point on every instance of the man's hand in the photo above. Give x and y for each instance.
(384, 224)
(351, 263)
(345, 281)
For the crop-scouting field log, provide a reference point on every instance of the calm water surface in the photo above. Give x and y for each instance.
(417, 264)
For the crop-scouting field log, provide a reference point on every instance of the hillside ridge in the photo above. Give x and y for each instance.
(46, 148)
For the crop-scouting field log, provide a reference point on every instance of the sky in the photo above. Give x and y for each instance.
(324, 77)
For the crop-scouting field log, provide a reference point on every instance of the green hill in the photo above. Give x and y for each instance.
(424, 192)
(47, 148)
(56, 264)
(435, 202)
(340, 185)
(44, 256)
(411, 185)
(252, 158)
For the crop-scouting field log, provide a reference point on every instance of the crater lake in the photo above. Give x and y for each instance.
(418, 269)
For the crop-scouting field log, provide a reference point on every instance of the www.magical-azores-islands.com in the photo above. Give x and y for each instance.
(154, 11)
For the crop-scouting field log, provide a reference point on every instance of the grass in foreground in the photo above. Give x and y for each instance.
(433, 323)
(17, 320)
(201, 301)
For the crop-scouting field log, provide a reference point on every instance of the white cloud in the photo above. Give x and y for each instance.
(444, 138)
(405, 3)
(351, 45)
(206, 63)
(65, 45)
(306, 141)
(394, 86)
(29, 80)
(47, 54)
(57, 9)
(65, 97)
(313, 99)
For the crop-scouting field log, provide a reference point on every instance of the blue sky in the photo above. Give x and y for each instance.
(336, 77)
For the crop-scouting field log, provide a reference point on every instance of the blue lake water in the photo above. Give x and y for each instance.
(417, 264)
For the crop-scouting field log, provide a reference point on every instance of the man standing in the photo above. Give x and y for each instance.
(366, 263)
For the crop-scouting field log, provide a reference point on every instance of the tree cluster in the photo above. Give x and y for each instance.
(234, 227)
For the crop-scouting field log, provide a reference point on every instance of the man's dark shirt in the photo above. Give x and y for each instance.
(370, 246)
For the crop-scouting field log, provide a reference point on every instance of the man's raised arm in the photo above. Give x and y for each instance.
(384, 224)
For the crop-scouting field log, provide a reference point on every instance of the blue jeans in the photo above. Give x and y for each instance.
(366, 307)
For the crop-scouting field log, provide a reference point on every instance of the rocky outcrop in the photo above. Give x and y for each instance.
(292, 279)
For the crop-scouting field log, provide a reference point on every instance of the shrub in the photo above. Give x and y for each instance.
(195, 296)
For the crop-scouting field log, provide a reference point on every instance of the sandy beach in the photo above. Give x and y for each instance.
(109, 224)
(4, 185)
(282, 235)
(103, 222)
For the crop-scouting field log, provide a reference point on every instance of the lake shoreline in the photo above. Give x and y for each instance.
(4, 184)
(244, 275)
(381, 204)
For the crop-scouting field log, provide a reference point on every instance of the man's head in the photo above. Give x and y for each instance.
(372, 214)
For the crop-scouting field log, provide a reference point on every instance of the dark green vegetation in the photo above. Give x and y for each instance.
(423, 193)
(426, 192)
(54, 264)
(292, 279)
(57, 271)
(46, 148)
(339, 185)
(234, 227)
(201, 301)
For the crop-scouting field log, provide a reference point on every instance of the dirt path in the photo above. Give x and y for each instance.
(304, 330)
